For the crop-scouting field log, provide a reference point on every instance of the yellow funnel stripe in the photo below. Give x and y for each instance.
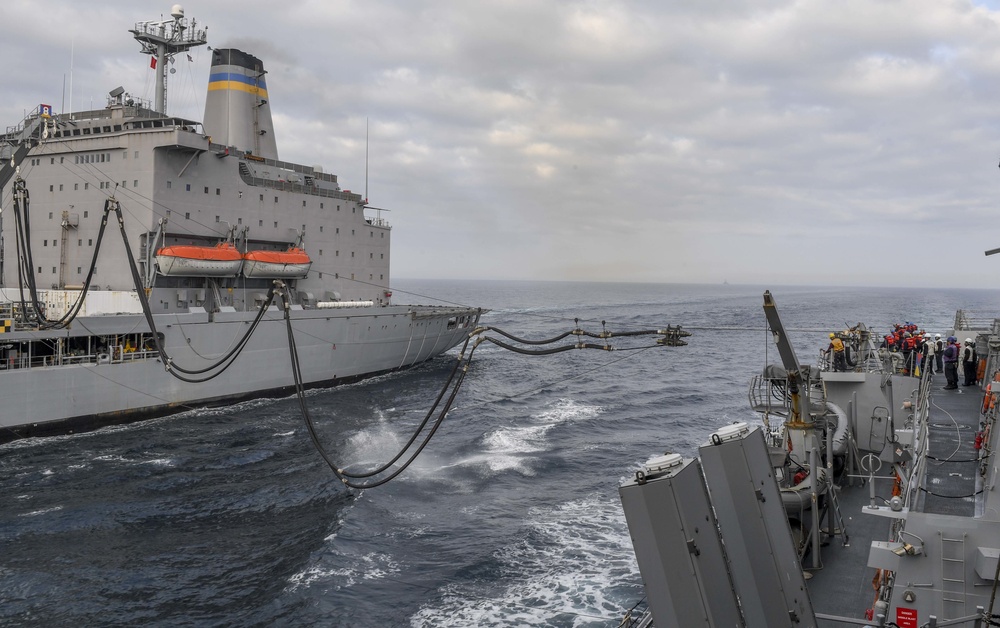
(236, 85)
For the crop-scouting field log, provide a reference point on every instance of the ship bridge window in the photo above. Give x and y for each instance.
(53, 161)
(218, 191)
(86, 131)
(86, 213)
(187, 215)
(260, 223)
(206, 189)
(187, 188)
(275, 224)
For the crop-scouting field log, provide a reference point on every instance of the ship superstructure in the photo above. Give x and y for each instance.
(212, 218)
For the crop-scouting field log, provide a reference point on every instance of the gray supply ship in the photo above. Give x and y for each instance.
(866, 496)
(216, 232)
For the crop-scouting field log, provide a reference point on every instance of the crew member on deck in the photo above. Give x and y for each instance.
(951, 363)
(969, 360)
(839, 357)
(927, 365)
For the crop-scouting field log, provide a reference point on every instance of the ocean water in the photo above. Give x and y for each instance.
(510, 517)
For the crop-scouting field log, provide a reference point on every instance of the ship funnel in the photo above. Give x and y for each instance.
(237, 112)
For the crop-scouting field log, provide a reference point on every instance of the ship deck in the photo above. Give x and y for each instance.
(837, 588)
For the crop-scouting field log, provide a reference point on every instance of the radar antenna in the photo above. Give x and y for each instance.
(163, 39)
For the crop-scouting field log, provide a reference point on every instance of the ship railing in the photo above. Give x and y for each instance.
(880, 620)
(117, 355)
(966, 320)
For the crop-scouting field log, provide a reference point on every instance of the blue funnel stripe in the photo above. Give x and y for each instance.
(238, 82)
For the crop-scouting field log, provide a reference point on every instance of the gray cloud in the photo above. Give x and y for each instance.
(756, 141)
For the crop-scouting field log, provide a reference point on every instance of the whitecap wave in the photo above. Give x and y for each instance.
(35, 513)
(560, 574)
(510, 448)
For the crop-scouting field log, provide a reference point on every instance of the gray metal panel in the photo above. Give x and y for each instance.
(678, 549)
(765, 566)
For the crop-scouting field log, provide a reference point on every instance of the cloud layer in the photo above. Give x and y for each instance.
(764, 141)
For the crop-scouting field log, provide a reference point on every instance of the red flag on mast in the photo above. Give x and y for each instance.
(152, 62)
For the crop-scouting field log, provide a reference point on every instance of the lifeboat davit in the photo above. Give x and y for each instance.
(187, 260)
(291, 264)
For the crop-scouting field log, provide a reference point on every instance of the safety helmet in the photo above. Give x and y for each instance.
(938, 336)
(831, 335)
(952, 339)
(968, 341)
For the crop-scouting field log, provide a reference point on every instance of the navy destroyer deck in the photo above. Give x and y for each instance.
(835, 588)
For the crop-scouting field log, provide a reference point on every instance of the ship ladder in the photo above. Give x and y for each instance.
(835, 526)
(872, 363)
(953, 576)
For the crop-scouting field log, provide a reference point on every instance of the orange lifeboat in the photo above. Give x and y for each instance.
(188, 260)
(291, 264)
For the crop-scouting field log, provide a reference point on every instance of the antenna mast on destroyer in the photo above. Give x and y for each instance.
(163, 40)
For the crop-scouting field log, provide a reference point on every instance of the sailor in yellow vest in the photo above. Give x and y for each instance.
(839, 357)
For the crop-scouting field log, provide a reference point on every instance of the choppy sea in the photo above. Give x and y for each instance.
(510, 517)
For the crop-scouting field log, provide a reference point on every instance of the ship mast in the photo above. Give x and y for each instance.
(163, 39)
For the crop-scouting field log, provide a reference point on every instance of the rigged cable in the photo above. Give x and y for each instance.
(671, 337)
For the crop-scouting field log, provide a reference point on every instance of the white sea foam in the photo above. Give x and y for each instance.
(371, 566)
(161, 462)
(562, 569)
(509, 448)
(43, 511)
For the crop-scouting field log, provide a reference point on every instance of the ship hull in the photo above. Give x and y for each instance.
(333, 348)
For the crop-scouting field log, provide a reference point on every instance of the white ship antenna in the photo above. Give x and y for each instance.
(163, 39)
(366, 161)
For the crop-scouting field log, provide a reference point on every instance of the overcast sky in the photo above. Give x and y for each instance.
(767, 141)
